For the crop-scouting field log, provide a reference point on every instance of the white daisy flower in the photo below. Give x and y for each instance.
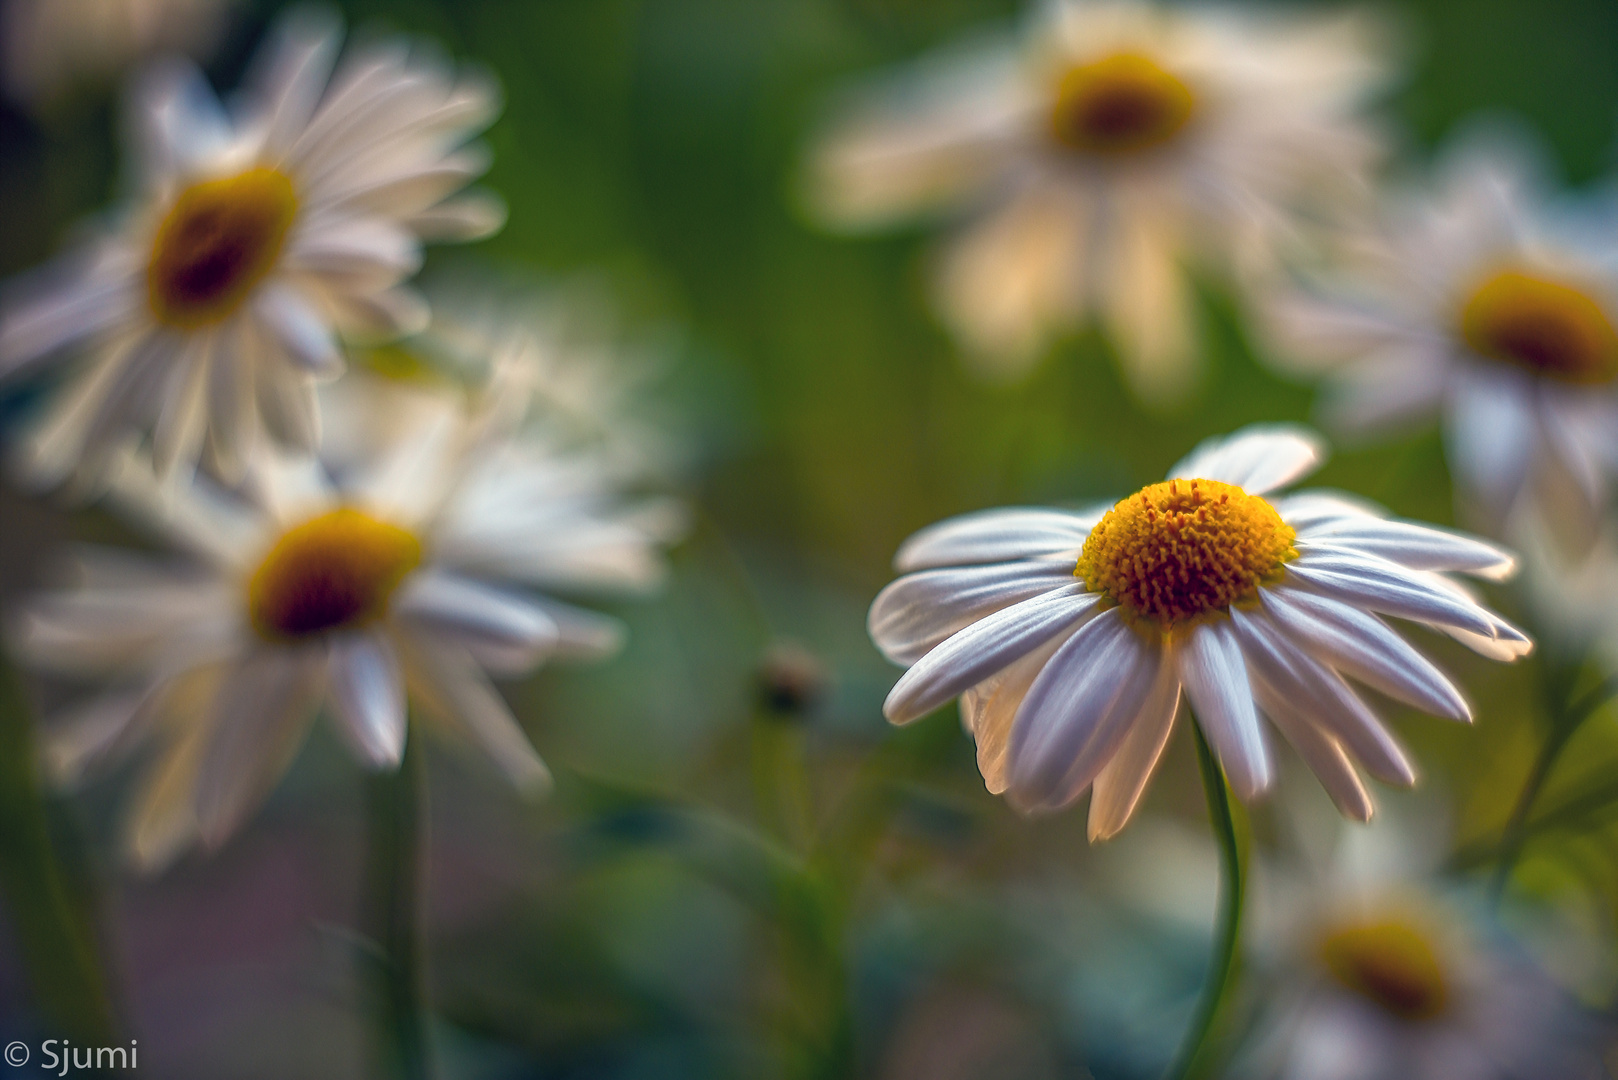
(1095, 156)
(401, 579)
(49, 45)
(1385, 972)
(260, 235)
(1475, 304)
(1070, 636)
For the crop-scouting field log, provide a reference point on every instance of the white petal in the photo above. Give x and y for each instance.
(992, 536)
(1214, 673)
(502, 630)
(1490, 438)
(67, 303)
(362, 250)
(983, 648)
(298, 327)
(1322, 753)
(1120, 784)
(367, 695)
(257, 720)
(1419, 547)
(1365, 647)
(989, 709)
(452, 681)
(917, 612)
(1321, 695)
(1257, 459)
(1078, 711)
(472, 215)
(1373, 584)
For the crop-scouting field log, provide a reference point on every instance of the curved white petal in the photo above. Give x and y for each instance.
(1363, 646)
(1320, 694)
(994, 536)
(501, 629)
(980, 650)
(1257, 459)
(367, 694)
(1373, 584)
(1121, 782)
(1214, 673)
(1418, 547)
(918, 611)
(1078, 711)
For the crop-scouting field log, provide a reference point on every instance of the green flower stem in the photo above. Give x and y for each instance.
(1567, 718)
(1194, 1056)
(54, 922)
(392, 889)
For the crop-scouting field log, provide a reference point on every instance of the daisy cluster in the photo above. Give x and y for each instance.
(367, 511)
(374, 499)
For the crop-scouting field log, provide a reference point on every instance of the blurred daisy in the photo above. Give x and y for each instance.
(1070, 636)
(402, 579)
(553, 358)
(1099, 154)
(1475, 304)
(51, 44)
(1386, 973)
(259, 237)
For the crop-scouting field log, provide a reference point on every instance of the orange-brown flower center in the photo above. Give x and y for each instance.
(1119, 105)
(1182, 549)
(1550, 327)
(220, 238)
(1390, 963)
(334, 571)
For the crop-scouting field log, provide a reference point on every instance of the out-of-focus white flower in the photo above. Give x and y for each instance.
(1069, 636)
(48, 45)
(400, 578)
(1475, 303)
(552, 358)
(1386, 973)
(1117, 141)
(258, 237)
(1574, 598)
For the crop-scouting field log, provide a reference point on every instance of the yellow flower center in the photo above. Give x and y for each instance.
(1183, 549)
(1121, 104)
(218, 241)
(1390, 963)
(1549, 327)
(333, 571)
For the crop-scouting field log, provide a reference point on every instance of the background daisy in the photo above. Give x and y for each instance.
(401, 582)
(1481, 302)
(1096, 157)
(257, 238)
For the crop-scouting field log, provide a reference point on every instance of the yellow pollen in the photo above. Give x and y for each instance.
(1121, 104)
(1184, 549)
(334, 571)
(1391, 964)
(1550, 327)
(218, 241)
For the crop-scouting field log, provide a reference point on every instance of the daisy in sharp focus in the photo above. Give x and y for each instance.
(405, 578)
(1070, 637)
(258, 238)
(1475, 304)
(1096, 157)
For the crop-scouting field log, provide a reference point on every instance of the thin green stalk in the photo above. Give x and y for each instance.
(392, 891)
(1567, 719)
(54, 923)
(1194, 1056)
